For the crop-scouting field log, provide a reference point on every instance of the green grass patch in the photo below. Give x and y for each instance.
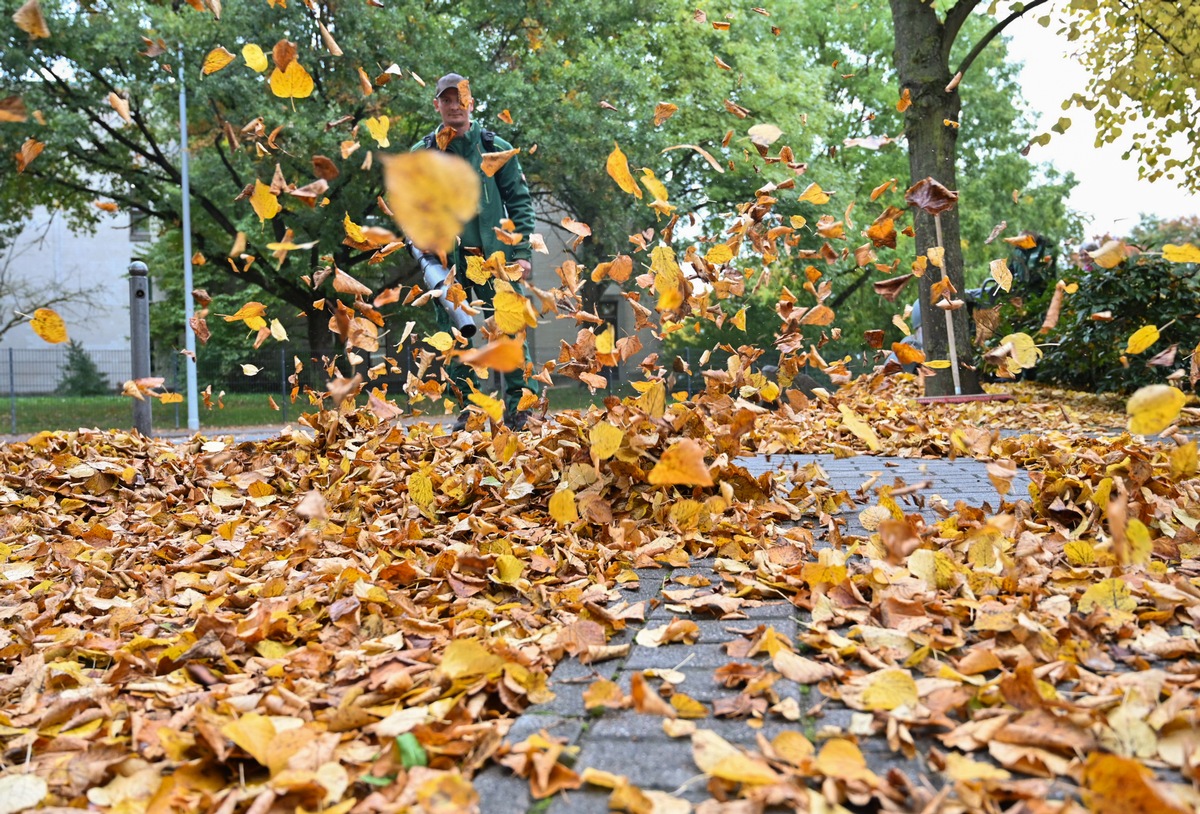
(38, 413)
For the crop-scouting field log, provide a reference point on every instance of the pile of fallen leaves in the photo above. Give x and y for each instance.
(348, 616)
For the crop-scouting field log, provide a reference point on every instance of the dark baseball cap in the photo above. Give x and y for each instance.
(448, 81)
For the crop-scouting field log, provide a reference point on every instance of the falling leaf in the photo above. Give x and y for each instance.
(30, 149)
(264, 202)
(1001, 274)
(254, 58)
(492, 162)
(49, 326)
(905, 100)
(432, 196)
(618, 170)
(813, 194)
(764, 134)
(1110, 255)
(930, 196)
(705, 154)
(250, 370)
(1142, 339)
(1187, 253)
(12, 109)
(293, 83)
(512, 312)
(29, 19)
(378, 128)
(504, 354)
(1154, 408)
(563, 508)
(605, 440)
(120, 105)
(216, 59)
(662, 112)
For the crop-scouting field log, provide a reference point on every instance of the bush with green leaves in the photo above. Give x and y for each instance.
(80, 375)
(1085, 350)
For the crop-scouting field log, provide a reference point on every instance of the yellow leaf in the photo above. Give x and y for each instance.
(1080, 553)
(668, 278)
(890, 689)
(718, 757)
(48, 325)
(718, 254)
(420, 489)
(493, 407)
(512, 312)
(1140, 544)
(1112, 595)
(961, 767)
(252, 314)
(508, 569)
(739, 320)
(378, 128)
(1110, 255)
(468, 657)
(441, 341)
(938, 364)
(21, 791)
(253, 733)
(254, 57)
(764, 134)
(1187, 253)
(605, 340)
(278, 332)
(250, 370)
(264, 201)
(860, 428)
(171, 398)
(936, 255)
(654, 186)
(217, 59)
(793, 747)
(1154, 408)
(353, 230)
(1142, 339)
(682, 464)
(432, 195)
(563, 508)
(605, 440)
(843, 760)
(813, 194)
(687, 707)
(618, 170)
(293, 83)
(29, 18)
(1001, 274)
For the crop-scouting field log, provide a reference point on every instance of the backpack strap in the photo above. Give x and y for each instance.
(428, 141)
(488, 139)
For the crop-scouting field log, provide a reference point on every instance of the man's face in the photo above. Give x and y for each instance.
(450, 108)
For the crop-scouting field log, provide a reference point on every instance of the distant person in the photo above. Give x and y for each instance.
(504, 195)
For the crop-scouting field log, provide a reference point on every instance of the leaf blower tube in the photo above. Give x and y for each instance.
(435, 276)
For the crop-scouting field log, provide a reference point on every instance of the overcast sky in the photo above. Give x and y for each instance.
(1109, 192)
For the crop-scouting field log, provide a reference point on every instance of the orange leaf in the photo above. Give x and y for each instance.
(217, 59)
(681, 465)
(29, 19)
(30, 150)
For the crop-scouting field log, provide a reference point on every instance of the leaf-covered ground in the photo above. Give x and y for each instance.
(348, 617)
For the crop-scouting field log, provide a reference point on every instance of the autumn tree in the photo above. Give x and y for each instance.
(1141, 57)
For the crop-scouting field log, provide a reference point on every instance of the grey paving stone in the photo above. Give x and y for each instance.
(555, 724)
(502, 792)
(649, 763)
(668, 656)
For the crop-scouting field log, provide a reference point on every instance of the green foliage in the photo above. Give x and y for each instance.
(1085, 354)
(1143, 66)
(79, 374)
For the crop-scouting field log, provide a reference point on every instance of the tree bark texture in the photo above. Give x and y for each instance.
(923, 65)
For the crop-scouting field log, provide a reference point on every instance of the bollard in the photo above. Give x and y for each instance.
(139, 339)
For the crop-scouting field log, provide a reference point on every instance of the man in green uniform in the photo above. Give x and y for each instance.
(503, 195)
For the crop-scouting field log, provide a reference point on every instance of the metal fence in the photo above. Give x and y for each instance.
(35, 383)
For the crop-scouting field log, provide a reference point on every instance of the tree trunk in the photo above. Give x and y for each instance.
(922, 63)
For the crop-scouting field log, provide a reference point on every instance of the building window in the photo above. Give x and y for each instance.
(139, 228)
